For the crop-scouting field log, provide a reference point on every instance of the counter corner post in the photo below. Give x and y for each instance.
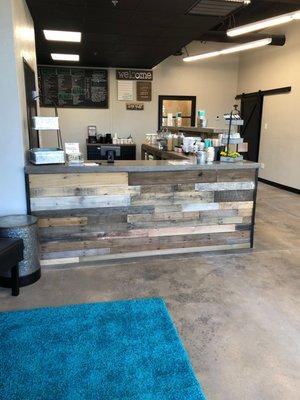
(27, 192)
(254, 210)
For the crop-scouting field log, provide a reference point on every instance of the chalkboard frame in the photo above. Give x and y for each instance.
(40, 66)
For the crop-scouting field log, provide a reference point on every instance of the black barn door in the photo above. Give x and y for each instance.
(251, 110)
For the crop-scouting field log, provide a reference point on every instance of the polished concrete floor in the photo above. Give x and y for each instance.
(238, 314)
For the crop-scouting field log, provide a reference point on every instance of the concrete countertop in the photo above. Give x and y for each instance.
(137, 166)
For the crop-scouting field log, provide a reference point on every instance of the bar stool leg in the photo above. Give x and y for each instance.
(15, 281)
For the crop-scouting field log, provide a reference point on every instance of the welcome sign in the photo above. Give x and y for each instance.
(134, 75)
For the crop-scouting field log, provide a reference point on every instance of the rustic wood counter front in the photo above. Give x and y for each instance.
(141, 208)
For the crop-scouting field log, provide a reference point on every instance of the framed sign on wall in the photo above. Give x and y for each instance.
(144, 91)
(135, 106)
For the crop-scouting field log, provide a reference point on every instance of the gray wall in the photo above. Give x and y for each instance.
(270, 68)
(214, 82)
(17, 42)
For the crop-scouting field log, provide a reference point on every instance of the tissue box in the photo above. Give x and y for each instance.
(47, 155)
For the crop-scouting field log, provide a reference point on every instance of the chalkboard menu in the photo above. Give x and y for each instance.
(73, 87)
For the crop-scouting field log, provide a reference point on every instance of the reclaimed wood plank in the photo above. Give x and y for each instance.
(63, 203)
(190, 230)
(172, 198)
(224, 186)
(172, 178)
(180, 187)
(156, 253)
(200, 206)
(82, 232)
(95, 212)
(239, 205)
(162, 246)
(120, 231)
(77, 180)
(142, 254)
(245, 212)
(243, 227)
(220, 213)
(74, 253)
(145, 242)
(72, 260)
(232, 175)
(164, 216)
(236, 195)
(185, 223)
(68, 221)
(84, 191)
(167, 208)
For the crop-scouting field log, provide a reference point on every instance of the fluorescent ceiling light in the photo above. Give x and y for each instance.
(234, 49)
(64, 57)
(265, 23)
(247, 46)
(202, 56)
(62, 36)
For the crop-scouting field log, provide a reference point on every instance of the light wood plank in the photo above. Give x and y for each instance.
(64, 203)
(84, 191)
(247, 212)
(240, 205)
(190, 230)
(200, 206)
(222, 186)
(78, 180)
(72, 260)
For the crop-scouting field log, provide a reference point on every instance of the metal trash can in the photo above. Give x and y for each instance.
(23, 227)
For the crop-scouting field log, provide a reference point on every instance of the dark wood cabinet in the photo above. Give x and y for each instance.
(128, 151)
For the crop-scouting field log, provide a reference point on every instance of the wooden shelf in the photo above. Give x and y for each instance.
(190, 129)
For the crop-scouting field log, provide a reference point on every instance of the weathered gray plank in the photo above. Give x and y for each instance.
(74, 253)
(164, 216)
(236, 195)
(171, 178)
(185, 223)
(143, 243)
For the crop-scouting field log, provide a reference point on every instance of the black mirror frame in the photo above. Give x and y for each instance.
(161, 98)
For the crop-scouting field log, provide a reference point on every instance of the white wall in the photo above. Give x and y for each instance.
(214, 82)
(17, 41)
(270, 68)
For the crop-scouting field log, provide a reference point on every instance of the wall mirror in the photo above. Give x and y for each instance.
(186, 105)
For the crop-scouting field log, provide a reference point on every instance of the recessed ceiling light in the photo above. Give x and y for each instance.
(62, 36)
(64, 57)
(265, 23)
(234, 49)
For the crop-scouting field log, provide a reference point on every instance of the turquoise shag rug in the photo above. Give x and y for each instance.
(122, 350)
